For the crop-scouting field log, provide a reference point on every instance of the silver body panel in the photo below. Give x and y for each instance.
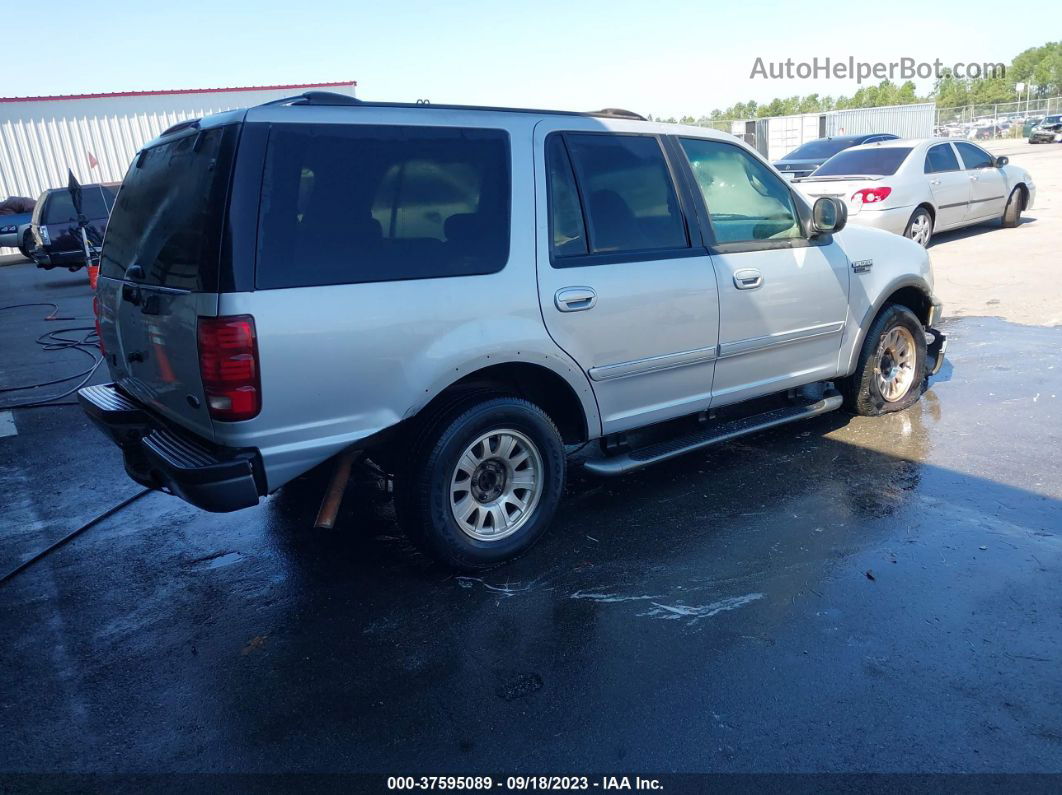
(657, 340)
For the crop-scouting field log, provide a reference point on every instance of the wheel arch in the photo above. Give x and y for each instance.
(911, 292)
(930, 209)
(1020, 185)
(563, 392)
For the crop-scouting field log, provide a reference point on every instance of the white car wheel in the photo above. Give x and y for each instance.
(920, 227)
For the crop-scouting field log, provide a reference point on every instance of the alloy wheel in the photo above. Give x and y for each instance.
(496, 485)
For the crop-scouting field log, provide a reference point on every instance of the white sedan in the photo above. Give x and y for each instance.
(917, 187)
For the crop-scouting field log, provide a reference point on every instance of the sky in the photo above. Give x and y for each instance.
(665, 58)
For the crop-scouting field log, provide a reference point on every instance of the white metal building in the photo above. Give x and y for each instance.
(97, 135)
(776, 136)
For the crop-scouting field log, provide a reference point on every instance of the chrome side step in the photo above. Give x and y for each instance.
(722, 432)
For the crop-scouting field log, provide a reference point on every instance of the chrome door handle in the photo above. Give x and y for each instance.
(747, 279)
(935, 181)
(973, 178)
(575, 299)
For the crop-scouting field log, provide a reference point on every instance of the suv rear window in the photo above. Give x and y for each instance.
(368, 203)
(628, 196)
(881, 161)
(170, 210)
(96, 203)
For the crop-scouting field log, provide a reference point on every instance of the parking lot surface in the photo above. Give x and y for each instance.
(847, 594)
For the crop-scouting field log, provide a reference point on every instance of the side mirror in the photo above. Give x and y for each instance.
(828, 215)
(1001, 161)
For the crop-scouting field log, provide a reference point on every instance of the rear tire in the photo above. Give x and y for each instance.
(25, 247)
(920, 227)
(482, 481)
(891, 373)
(1012, 212)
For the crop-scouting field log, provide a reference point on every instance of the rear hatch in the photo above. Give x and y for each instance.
(159, 269)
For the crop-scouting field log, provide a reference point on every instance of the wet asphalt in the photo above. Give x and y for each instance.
(847, 594)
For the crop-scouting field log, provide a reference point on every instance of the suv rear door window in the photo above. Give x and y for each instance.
(567, 228)
(170, 210)
(627, 193)
(368, 203)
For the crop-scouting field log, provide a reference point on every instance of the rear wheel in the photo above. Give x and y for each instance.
(891, 374)
(482, 482)
(920, 227)
(1012, 212)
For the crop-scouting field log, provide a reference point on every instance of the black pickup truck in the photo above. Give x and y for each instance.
(56, 238)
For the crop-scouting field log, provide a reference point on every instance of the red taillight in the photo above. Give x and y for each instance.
(228, 363)
(871, 195)
(96, 313)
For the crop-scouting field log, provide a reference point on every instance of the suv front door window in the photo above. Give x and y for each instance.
(783, 298)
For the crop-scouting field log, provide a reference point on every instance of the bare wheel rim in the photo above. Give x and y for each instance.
(921, 227)
(896, 360)
(496, 485)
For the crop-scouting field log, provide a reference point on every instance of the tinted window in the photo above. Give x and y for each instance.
(746, 199)
(630, 201)
(862, 162)
(567, 232)
(820, 149)
(96, 202)
(974, 157)
(941, 158)
(346, 204)
(170, 210)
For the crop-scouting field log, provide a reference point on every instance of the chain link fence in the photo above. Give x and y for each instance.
(974, 122)
(996, 120)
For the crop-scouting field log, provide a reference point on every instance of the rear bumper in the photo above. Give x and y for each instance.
(893, 220)
(60, 258)
(160, 456)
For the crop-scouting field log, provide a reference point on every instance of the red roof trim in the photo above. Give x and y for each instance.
(290, 87)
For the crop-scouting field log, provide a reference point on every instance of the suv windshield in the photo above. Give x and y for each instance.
(169, 213)
(820, 150)
(878, 161)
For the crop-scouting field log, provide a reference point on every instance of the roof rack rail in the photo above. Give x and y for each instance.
(617, 113)
(332, 98)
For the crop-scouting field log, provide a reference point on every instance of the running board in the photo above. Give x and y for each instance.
(724, 431)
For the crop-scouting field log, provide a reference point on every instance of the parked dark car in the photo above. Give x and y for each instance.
(807, 157)
(1048, 131)
(16, 213)
(56, 238)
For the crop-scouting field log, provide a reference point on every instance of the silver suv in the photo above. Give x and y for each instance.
(475, 299)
